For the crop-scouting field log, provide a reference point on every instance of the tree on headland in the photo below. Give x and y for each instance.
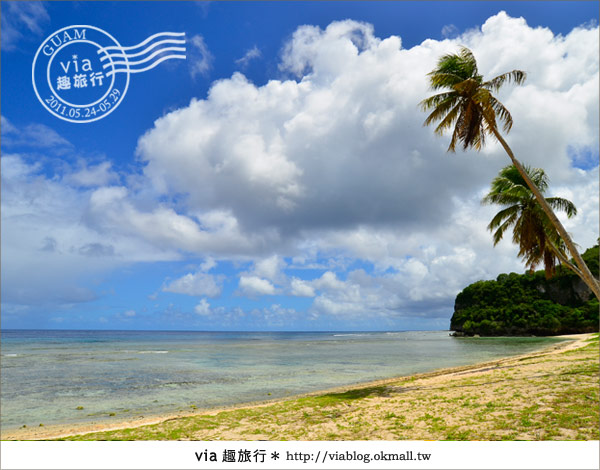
(538, 240)
(528, 304)
(468, 106)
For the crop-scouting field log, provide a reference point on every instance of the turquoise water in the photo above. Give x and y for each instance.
(47, 375)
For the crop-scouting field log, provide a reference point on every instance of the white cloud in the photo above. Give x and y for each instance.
(199, 56)
(216, 232)
(42, 235)
(583, 190)
(204, 7)
(20, 19)
(208, 264)
(250, 55)
(329, 281)
(46, 230)
(252, 286)
(312, 154)
(37, 136)
(344, 146)
(329, 52)
(128, 316)
(270, 268)
(266, 277)
(342, 150)
(449, 31)
(95, 175)
(7, 126)
(197, 284)
(203, 308)
(301, 288)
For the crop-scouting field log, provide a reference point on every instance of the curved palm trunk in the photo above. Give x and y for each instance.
(563, 259)
(583, 270)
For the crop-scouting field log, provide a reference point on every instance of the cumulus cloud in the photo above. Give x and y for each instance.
(343, 146)
(203, 308)
(253, 286)
(324, 53)
(45, 232)
(583, 189)
(301, 288)
(97, 249)
(35, 244)
(112, 209)
(94, 175)
(265, 277)
(270, 268)
(326, 152)
(197, 284)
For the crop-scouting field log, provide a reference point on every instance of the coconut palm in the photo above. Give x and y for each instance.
(538, 240)
(469, 108)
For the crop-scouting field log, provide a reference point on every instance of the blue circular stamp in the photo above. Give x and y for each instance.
(80, 73)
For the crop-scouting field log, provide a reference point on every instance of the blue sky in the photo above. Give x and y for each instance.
(279, 177)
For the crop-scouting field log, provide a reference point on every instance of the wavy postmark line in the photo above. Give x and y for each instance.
(153, 54)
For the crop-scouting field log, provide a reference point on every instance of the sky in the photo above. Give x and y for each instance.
(280, 176)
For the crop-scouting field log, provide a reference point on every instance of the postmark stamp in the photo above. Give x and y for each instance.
(81, 73)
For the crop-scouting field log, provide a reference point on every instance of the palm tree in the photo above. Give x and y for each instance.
(469, 107)
(537, 239)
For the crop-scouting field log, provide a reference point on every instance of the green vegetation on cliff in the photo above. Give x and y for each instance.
(529, 304)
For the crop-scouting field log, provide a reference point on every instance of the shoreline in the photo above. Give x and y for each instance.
(58, 431)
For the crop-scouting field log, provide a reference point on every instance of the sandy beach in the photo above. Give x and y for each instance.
(548, 394)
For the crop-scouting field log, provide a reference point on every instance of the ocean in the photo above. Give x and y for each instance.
(60, 377)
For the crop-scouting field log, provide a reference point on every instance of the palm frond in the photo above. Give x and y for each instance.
(511, 175)
(505, 189)
(538, 176)
(448, 120)
(517, 77)
(561, 204)
(436, 100)
(439, 80)
(455, 138)
(454, 68)
(501, 113)
(440, 111)
(504, 198)
(503, 227)
(468, 61)
(502, 216)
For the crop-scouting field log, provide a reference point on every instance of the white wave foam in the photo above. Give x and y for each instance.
(352, 334)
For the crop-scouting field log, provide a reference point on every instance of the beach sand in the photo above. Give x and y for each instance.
(547, 394)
